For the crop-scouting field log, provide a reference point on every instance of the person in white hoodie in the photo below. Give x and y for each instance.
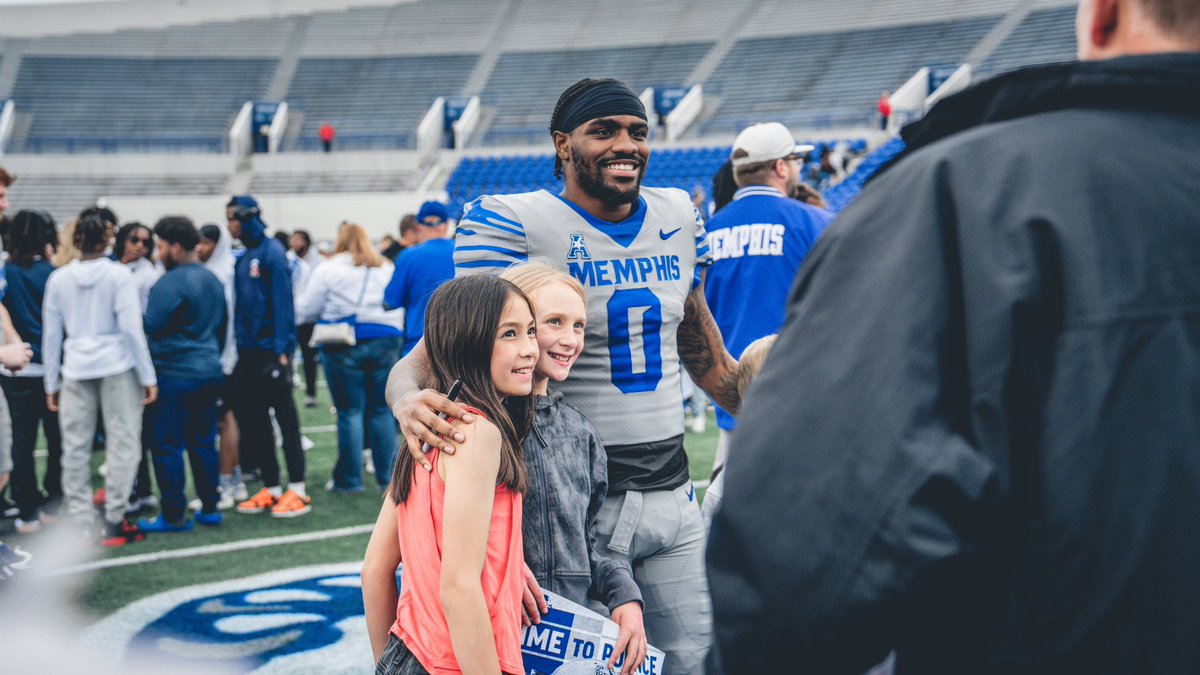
(94, 304)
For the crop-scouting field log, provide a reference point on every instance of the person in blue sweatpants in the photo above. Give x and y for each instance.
(185, 327)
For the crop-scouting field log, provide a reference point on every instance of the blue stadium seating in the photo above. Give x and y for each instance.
(830, 79)
(684, 168)
(1044, 36)
(178, 88)
(524, 86)
(843, 193)
(126, 104)
(372, 103)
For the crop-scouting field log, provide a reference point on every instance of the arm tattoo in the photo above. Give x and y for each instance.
(694, 351)
(703, 353)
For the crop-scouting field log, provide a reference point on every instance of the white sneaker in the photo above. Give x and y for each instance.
(699, 424)
(225, 501)
(368, 462)
(27, 526)
(240, 493)
(306, 443)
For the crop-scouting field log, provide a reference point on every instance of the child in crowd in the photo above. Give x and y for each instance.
(459, 524)
(748, 367)
(568, 470)
(95, 349)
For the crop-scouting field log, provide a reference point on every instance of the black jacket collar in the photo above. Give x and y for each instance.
(1159, 82)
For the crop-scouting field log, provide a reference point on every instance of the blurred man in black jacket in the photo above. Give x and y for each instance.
(977, 441)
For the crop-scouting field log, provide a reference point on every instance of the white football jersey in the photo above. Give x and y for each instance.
(637, 274)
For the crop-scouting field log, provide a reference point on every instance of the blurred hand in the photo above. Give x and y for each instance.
(533, 600)
(631, 641)
(16, 355)
(151, 395)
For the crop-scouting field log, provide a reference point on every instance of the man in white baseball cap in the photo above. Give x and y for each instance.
(757, 242)
(764, 143)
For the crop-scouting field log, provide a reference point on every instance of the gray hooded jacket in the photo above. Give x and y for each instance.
(568, 480)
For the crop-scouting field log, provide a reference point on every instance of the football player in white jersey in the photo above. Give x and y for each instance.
(640, 253)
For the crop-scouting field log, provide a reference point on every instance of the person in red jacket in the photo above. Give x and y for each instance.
(885, 111)
(326, 134)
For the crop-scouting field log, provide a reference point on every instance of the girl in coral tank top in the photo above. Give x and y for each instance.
(458, 526)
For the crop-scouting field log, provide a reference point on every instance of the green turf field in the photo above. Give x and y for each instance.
(110, 589)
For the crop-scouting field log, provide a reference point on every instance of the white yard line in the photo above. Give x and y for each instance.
(212, 549)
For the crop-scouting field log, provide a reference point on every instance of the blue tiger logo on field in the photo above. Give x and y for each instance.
(248, 629)
(311, 620)
(307, 619)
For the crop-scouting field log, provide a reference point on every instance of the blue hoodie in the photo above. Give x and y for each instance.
(263, 312)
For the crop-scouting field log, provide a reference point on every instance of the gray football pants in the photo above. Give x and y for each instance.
(78, 405)
(661, 535)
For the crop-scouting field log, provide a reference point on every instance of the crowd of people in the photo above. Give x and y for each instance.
(153, 342)
(971, 445)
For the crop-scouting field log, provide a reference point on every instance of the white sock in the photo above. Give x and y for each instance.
(276, 491)
(298, 488)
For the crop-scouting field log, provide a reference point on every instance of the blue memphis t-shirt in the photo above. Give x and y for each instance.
(757, 243)
(419, 272)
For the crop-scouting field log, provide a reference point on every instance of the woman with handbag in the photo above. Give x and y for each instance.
(359, 343)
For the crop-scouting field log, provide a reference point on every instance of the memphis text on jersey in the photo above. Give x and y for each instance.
(618, 271)
(758, 239)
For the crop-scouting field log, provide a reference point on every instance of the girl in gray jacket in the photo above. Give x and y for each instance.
(568, 471)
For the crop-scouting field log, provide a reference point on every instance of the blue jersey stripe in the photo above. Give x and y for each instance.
(484, 263)
(482, 216)
(498, 249)
(494, 226)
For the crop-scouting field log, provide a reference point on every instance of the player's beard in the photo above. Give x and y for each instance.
(590, 177)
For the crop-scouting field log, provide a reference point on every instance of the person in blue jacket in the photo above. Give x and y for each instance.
(758, 242)
(185, 328)
(421, 270)
(266, 339)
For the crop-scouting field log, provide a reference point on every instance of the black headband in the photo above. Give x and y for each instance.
(603, 100)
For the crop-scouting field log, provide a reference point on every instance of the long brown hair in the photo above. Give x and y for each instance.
(353, 239)
(460, 333)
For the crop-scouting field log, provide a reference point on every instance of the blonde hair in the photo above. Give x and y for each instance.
(67, 251)
(752, 362)
(353, 239)
(536, 273)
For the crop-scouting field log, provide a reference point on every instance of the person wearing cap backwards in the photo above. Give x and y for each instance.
(757, 243)
(639, 253)
(420, 270)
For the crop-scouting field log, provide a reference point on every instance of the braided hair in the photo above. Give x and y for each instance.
(27, 235)
(564, 101)
(92, 234)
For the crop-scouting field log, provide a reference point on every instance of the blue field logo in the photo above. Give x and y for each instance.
(310, 620)
(299, 620)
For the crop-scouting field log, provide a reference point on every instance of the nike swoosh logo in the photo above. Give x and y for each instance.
(667, 235)
(691, 492)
